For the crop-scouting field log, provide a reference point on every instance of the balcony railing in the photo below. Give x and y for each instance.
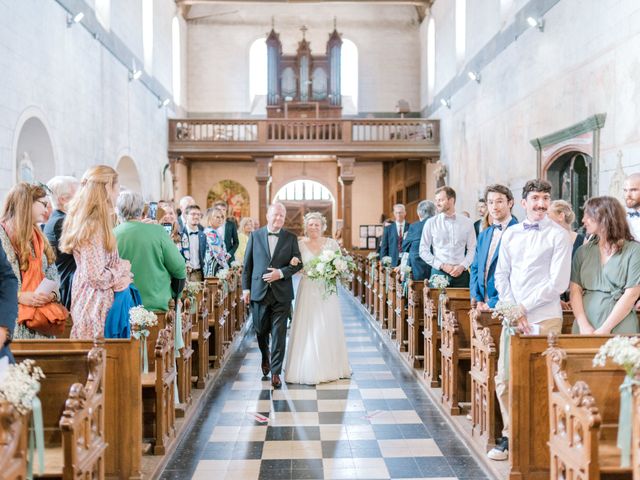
(291, 134)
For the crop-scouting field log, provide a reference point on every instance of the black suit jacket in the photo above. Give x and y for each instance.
(389, 243)
(257, 260)
(202, 244)
(65, 262)
(8, 300)
(231, 241)
(411, 244)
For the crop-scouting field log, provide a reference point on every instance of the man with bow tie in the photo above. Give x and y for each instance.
(393, 235)
(534, 267)
(632, 200)
(452, 238)
(499, 201)
(194, 243)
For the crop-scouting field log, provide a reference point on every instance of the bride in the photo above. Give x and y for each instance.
(317, 348)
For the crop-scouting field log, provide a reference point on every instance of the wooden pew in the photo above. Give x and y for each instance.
(216, 319)
(400, 315)
(123, 394)
(73, 408)
(390, 306)
(415, 323)
(583, 412)
(240, 306)
(382, 296)
(635, 444)
(361, 275)
(13, 442)
(184, 362)
(529, 403)
(230, 303)
(200, 340)
(375, 289)
(455, 350)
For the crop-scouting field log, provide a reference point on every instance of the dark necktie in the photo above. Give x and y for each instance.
(633, 213)
(531, 226)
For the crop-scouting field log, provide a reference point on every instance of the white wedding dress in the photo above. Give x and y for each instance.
(317, 350)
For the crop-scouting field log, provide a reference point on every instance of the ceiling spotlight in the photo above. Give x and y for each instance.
(77, 18)
(473, 75)
(538, 23)
(135, 74)
(445, 102)
(163, 103)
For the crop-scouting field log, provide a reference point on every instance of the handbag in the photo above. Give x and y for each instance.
(49, 320)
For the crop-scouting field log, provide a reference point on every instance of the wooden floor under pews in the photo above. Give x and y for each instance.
(106, 418)
(454, 351)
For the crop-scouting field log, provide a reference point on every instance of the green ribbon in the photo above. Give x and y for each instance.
(386, 280)
(509, 330)
(142, 336)
(36, 437)
(405, 286)
(441, 298)
(178, 341)
(624, 420)
(373, 273)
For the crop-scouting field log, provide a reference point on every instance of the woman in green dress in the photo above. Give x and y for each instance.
(605, 275)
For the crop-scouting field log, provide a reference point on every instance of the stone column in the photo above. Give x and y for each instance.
(263, 177)
(179, 168)
(347, 176)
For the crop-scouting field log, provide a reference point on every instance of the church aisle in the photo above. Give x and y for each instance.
(378, 424)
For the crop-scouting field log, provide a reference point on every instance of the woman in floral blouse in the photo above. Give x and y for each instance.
(215, 257)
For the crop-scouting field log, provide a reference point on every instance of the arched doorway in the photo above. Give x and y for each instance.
(301, 197)
(570, 175)
(35, 159)
(128, 173)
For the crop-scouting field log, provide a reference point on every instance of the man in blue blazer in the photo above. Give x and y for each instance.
(8, 304)
(391, 243)
(482, 287)
(411, 244)
(194, 243)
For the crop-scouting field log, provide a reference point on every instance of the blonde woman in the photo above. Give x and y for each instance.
(560, 212)
(88, 234)
(245, 229)
(317, 346)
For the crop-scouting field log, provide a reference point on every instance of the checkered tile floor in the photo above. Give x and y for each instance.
(378, 424)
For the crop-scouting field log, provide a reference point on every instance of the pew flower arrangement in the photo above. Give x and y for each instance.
(405, 271)
(372, 256)
(623, 351)
(440, 282)
(141, 321)
(386, 261)
(236, 266)
(509, 313)
(192, 289)
(223, 275)
(330, 267)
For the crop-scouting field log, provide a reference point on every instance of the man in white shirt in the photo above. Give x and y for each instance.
(185, 202)
(534, 267)
(632, 200)
(194, 243)
(452, 238)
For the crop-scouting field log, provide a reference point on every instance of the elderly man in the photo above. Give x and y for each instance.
(156, 263)
(393, 235)
(63, 189)
(185, 202)
(420, 270)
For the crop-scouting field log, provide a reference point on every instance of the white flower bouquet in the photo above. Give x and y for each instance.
(386, 261)
(235, 266)
(509, 313)
(330, 267)
(141, 321)
(193, 288)
(223, 274)
(372, 256)
(20, 384)
(439, 281)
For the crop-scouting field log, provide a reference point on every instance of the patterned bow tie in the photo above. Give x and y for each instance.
(498, 226)
(633, 213)
(531, 226)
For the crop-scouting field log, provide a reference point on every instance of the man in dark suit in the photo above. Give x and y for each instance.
(62, 189)
(228, 230)
(194, 243)
(266, 283)
(411, 244)
(8, 304)
(482, 287)
(393, 235)
(481, 210)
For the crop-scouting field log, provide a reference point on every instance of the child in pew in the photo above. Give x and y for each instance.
(533, 271)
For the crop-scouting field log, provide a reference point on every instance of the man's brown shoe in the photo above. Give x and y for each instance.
(275, 381)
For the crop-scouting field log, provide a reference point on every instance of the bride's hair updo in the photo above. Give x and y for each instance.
(315, 216)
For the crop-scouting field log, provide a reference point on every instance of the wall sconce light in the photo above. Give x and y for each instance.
(163, 103)
(445, 102)
(135, 74)
(72, 20)
(536, 22)
(474, 75)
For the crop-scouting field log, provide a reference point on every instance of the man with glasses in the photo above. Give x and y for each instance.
(194, 243)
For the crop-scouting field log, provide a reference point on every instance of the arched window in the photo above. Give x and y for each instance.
(431, 58)
(147, 34)
(103, 13)
(257, 69)
(176, 60)
(303, 190)
(461, 30)
(349, 77)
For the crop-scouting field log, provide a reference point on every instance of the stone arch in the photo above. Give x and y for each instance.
(129, 174)
(234, 194)
(33, 151)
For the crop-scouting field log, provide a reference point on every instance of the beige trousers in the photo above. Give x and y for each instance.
(502, 380)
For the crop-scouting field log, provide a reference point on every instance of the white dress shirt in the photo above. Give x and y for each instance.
(272, 241)
(221, 230)
(449, 236)
(194, 249)
(495, 240)
(634, 224)
(534, 268)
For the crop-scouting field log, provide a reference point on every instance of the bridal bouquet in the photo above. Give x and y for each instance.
(141, 321)
(623, 351)
(20, 384)
(329, 267)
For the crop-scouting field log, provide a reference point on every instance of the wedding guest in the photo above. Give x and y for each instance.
(185, 202)
(533, 271)
(155, 261)
(246, 227)
(88, 234)
(482, 285)
(62, 189)
(194, 243)
(632, 200)
(560, 212)
(393, 235)
(452, 238)
(32, 259)
(8, 305)
(481, 210)
(228, 230)
(215, 256)
(411, 244)
(605, 276)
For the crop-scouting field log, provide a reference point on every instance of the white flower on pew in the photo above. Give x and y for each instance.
(439, 282)
(623, 351)
(509, 312)
(386, 261)
(20, 384)
(141, 320)
(235, 266)
(193, 288)
(223, 274)
(372, 256)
